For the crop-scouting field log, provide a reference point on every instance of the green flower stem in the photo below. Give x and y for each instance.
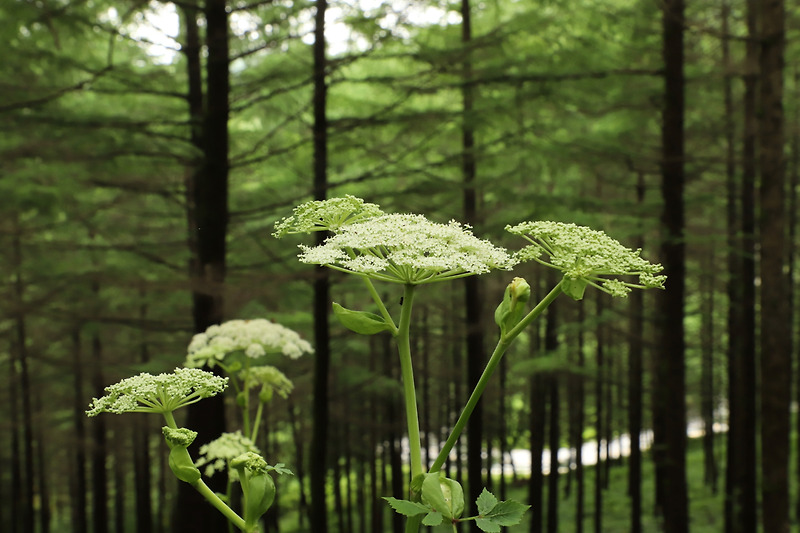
(246, 406)
(413, 523)
(214, 500)
(407, 371)
(170, 420)
(379, 302)
(494, 360)
(257, 422)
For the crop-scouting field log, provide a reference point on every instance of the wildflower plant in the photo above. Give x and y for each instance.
(410, 250)
(239, 348)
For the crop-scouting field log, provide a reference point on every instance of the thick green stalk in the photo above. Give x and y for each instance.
(407, 371)
(170, 420)
(494, 360)
(214, 500)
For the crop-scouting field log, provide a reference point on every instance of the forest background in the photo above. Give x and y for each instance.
(149, 147)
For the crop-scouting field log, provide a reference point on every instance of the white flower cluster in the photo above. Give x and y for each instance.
(255, 338)
(270, 377)
(217, 454)
(586, 254)
(326, 215)
(409, 249)
(163, 393)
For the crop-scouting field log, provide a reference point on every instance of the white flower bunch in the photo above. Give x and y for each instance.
(270, 379)
(163, 393)
(408, 249)
(587, 255)
(254, 338)
(326, 215)
(217, 454)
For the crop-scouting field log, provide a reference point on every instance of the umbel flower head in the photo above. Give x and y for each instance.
(586, 257)
(408, 249)
(255, 338)
(217, 454)
(326, 215)
(271, 380)
(163, 393)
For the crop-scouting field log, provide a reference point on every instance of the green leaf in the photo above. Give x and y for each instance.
(485, 502)
(360, 321)
(407, 508)
(486, 524)
(433, 518)
(507, 513)
(443, 494)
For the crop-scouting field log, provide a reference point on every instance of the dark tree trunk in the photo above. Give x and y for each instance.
(635, 380)
(99, 477)
(142, 478)
(299, 468)
(208, 224)
(476, 356)
(580, 401)
(707, 374)
(79, 487)
(794, 254)
(16, 487)
(600, 406)
(537, 403)
(20, 346)
(502, 430)
(670, 393)
(44, 468)
(740, 480)
(776, 360)
(554, 434)
(119, 481)
(321, 304)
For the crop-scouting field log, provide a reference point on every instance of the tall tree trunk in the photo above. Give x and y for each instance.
(670, 392)
(600, 406)
(794, 254)
(476, 356)
(635, 380)
(119, 481)
(537, 403)
(141, 447)
(299, 468)
(776, 359)
(22, 364)
(321, 304)
(707, 373)
(16, 487)
(99, 448)
(43, 470)
(208, 226)
(579, 423)
(554, 440)
(740, 481)
(79, 487)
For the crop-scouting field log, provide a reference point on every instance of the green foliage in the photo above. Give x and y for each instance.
(361, 322)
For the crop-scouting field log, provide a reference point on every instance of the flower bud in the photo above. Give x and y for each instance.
(512, 308)
(180, 462)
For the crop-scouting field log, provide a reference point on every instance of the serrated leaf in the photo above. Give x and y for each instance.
(507, 513)
(485, 502)
(434, 518)
(360, 321)
(487, 525)
(407, 508)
